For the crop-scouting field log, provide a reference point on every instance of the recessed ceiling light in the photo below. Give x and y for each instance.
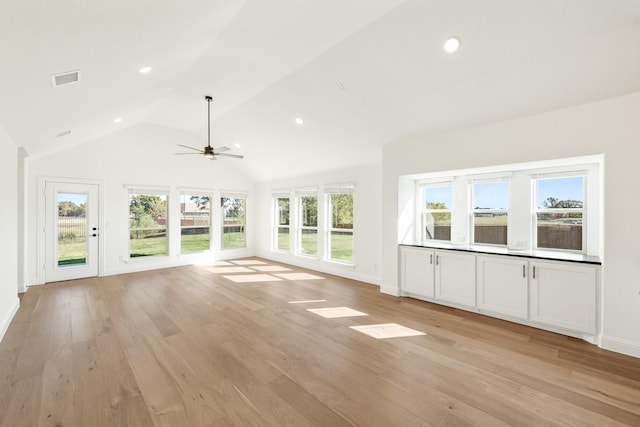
(237, 145)
(299, 121)
(452, 44)
(145, 70)
(118, 120)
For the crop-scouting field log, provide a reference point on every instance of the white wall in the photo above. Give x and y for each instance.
(367, 221)
(9, 301)
(140, 155)
(610, 127)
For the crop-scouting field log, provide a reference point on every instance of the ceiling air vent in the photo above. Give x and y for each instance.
(64, 78)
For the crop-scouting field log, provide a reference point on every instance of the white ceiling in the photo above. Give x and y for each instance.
(266, 62)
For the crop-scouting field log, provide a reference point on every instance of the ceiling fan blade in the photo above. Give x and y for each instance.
(191, 148)
(182, 154)
(235, 156)
(221, 149)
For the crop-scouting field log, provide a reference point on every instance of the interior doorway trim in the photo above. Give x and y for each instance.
(41, 221)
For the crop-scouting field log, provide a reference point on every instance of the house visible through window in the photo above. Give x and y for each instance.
(560, 212)
(147, 224)
(233, 209)
(195, 222)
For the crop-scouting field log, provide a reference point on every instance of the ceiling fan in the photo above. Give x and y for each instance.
(209, 152)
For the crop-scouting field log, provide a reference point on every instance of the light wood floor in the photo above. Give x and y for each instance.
(189, 347)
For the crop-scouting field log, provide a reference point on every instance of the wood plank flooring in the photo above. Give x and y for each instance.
(211, 346)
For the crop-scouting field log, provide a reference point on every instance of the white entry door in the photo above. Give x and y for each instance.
(71, 231)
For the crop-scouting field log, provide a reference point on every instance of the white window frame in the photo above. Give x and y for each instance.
(328, 192)
(223, 226)
(149, 191)
(209, 194)
(473, 210)
(299, 194)
(583, 210)
(522, 212)
(275, 234)
(423, 211)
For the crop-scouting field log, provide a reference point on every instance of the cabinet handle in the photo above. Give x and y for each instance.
(437, 256)
(534, 271)
(524, 273)
(431, 259)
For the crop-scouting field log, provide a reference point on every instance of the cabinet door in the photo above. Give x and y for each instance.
(503, 286)
(416, 273)
(456, 277)
(564, 295)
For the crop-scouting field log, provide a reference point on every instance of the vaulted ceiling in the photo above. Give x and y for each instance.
(360, 73)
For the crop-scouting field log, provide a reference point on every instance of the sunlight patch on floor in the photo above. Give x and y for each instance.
(247, 278)
(387, 330)
(230, 270)
(270, 268)
(335, 312)
(248, 262)
(299, 276)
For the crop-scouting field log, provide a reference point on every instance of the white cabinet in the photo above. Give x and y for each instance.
(455, 277)
(564, 295)
(556, 295)
(502, 285)
(416, 271)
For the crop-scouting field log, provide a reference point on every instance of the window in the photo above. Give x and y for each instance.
(281, 204)
(195, 222)
(490, 201)
(560, 212)
(307, 231)
(436, 212)
(340, 224)
(550, 205)
(147, 223)
(233, 221)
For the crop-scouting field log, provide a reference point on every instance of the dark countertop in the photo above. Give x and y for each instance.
(496, 250)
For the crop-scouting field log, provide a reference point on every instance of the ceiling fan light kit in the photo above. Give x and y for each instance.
(209, 152)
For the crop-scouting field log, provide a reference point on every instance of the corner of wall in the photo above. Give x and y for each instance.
(6, 320)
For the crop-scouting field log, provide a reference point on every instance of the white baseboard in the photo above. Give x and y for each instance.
(322, 266)
(620, 345)
(389, 290)
(6, 320)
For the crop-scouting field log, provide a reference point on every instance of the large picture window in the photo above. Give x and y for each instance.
(282, 218)
(340, 224)
(560, 212)
(436, 211)
(490, 201)
(307, 230)
(195, 222)
(233, 221)
(147, 223)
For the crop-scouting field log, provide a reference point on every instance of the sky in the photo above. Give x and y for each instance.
(76, 198)
(569, 188)
(495, 195)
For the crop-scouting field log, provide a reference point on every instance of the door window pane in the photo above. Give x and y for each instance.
(72, 229)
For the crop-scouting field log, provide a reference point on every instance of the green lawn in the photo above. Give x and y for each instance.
(341, 245)
(72, 253)
(195, 242)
